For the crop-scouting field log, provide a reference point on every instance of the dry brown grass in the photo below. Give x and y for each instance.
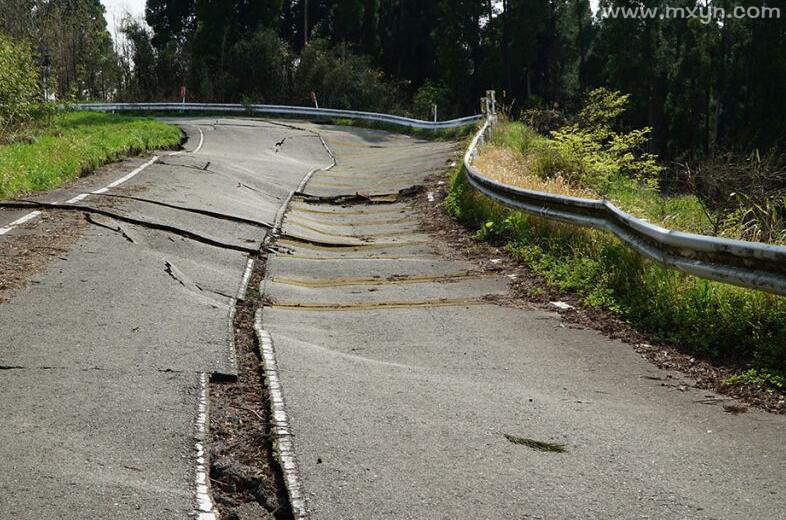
(512, 167)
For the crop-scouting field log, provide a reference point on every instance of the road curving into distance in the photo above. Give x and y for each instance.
(402, 365)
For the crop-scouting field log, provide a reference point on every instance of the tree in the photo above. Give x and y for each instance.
(18, 83)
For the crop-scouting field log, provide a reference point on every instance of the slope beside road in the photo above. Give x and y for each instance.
(403, 365)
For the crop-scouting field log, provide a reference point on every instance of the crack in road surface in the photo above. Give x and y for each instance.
(450, 362)
(368, 368)
(158, 226)
(109, 302)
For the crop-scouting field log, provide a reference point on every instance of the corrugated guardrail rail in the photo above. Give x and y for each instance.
(281, 110)
(749, 264)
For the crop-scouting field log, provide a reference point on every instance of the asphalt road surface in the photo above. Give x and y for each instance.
(403, 366)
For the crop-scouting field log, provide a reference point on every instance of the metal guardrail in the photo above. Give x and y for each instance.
(754, 265)
(748, 264)
(281, 110)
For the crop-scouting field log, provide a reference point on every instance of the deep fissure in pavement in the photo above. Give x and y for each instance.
(245, 476)
(25, 204)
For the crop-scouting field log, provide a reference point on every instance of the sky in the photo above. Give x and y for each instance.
(116, 10)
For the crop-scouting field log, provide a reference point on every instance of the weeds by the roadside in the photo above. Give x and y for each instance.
(734, 325)
(763, 379)
(75, 143)
(742, 327)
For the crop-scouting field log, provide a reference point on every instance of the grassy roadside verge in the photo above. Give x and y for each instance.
(730, 325)
(76, 143)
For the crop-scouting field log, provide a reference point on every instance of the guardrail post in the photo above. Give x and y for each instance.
(491, 96)
(489, 109)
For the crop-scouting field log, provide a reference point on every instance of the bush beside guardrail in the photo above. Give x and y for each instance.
(637, 270)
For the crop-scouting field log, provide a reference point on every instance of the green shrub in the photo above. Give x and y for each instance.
(593, 154)
(18, 83)
(426, 97)
(721, 321)
(259, 66)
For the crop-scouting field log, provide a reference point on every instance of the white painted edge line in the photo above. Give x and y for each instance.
(203, 504)
(82, 196)
(33, 214)
(278, 222)
(285, 450)
(18, 222)
(201, 141)
(231, 347)
(133, 173)
(241, 295)
(195, 150)
(241, 291)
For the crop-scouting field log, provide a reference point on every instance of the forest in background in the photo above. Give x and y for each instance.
(705, 89)
(680, 122)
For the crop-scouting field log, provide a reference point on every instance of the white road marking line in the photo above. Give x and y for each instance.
(278, 222)
(83, 196)
(199, 146)
(201, 141)
(241, 295)
(18, 222)
(241, 291)
(280, 423)
(125, 178)
(203, 503)
(79, 197)
(114, 184)
(33, 214)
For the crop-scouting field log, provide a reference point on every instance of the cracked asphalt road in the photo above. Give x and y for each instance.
(401, 377)
(111, 336)
(401, 369)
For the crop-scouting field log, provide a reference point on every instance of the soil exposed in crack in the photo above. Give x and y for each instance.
(245, 476)
(361, 198)
(528, 290)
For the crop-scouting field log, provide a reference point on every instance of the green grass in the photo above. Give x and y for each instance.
(74, 144)
(736, 326)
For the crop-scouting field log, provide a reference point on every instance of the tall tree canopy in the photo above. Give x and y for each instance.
(702, 84)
